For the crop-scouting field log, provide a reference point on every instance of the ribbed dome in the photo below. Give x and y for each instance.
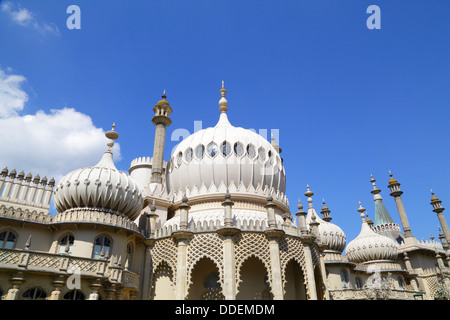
(330, 234)
(371, 246)
(226, 157)
(101, 186)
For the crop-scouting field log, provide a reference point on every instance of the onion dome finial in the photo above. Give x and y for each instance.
(223, 103)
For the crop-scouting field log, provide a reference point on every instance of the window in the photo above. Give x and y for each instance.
(200, 151)
(262, 154)
(239, 149)
(7, 240)
(358, 283)
(129, 255)
(66, 244)
(74, 295)
(225, 148)
(271, 158)
(344, 279)
(102, 244)
(212, 150)
(179, 159)
(401, 284)
(251, 151)
(34, 294)
(188, 154)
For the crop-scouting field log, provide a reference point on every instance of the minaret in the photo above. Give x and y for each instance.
(161, 120)
(325, 212)
(439, 209)
(394, 186)
(384, 224)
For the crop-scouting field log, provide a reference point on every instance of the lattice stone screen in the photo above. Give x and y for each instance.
(208, 245)
(252, 244)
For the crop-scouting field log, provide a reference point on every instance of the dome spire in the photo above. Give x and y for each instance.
(107, 159)
(111, 135)
(223, 103)
(375, 189)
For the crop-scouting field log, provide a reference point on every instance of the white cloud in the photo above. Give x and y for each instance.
(49, 143)
(26, 18)
(12, 97)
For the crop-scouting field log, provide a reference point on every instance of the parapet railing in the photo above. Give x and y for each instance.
(107, 268)
(25, 190)
(214, 225)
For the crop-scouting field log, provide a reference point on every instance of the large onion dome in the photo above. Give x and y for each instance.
(225, 157)
(369, 245)
(101, 186)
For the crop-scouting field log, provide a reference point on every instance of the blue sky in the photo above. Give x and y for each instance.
(348, 101)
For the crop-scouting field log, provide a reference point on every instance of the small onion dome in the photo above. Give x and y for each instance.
(434, 198)
(330, 234)
(392, 180)
(370, 246)
(101, 186)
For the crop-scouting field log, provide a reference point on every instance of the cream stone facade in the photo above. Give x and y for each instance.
(211, 223)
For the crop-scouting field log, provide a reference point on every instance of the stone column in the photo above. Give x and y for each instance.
(229, 232)
(57, 284)
(95, 287)
(182, 237)
(310, 269)
(16, 280)
(410, 271)
(324, 275)
(274, 235)
(394, 186)
(439, 209)
(161, 120)
(148, 271)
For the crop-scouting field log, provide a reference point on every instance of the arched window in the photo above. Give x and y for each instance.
(239, 149)
(34, 294)
(74, 295)
(401, 283)
(251, 151)
(262, 154)
(188, 154)
(179, 159)
(102, 244)
(358, 283)
(199, 151)
(7, 239)
(66, 244)
(225, 148)
(129, 255)
(212, 150)
(344, 279)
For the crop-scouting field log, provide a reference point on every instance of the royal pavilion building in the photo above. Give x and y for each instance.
(212, 223)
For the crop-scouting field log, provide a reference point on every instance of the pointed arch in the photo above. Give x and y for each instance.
(205, 282)
(163, 284)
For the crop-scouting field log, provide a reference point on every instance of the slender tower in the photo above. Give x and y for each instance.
(394, 186)
(161, 120)
(439, 209)
(384, 224)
